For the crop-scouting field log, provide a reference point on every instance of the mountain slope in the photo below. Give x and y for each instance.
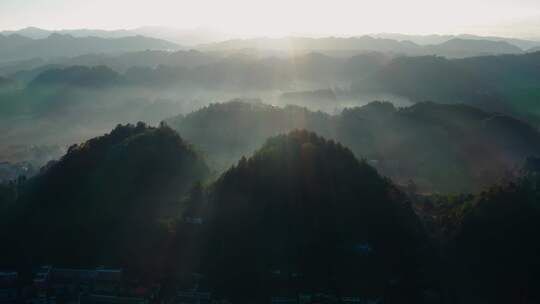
(76, 76)
(103, 201)
(454, 48)
(6, 83)
(16, 47)
(495, 245)
(183, 37)
(506, 83)
(364, 43)
(227, 131)
(302, 215)
(441, 147)
(459, 47)
(438, 39)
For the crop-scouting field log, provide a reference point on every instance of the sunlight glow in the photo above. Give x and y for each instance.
(275, 18)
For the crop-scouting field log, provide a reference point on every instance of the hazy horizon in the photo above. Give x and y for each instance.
(242, 18)
(269, 152)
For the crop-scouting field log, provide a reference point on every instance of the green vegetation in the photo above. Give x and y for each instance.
(104, 201)
(303, 215)
(444, 148)
(507, 84)
(496, 242)
(434, 202)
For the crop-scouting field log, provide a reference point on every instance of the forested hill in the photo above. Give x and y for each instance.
(303, 214)
(509, 215)
(507, 83)
(227, 131)
(101, 203)
(448, 148)
(489, 239)
(6, 83)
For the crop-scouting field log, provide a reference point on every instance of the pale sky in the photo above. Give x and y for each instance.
(519, 18)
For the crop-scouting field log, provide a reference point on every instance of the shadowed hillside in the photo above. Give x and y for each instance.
(440, 147)
(302, 215)
(104, 200)
(508, 84)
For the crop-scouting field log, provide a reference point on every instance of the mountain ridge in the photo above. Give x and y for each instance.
(16, 47)
(456, 47)
(415, 142)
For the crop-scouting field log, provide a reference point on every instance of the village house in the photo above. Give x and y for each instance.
(8, 287)
(193, 297)
(68, 284)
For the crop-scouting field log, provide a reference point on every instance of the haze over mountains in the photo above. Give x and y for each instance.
(196, 36)
(438, 39)
(456, 47)
(384, 168)
(309, 197)
(59, 95)
(473, 148)
(183, 37)
(32, 43)
(16, 47)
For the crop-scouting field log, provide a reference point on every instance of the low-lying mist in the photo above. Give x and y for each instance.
(57, 106)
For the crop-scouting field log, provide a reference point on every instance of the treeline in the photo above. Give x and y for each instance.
(508, 83)
(106, 202)
(488, 239)
(205, 70)
(503, 83)
(301, 215)
(442, 148)
(58, 97)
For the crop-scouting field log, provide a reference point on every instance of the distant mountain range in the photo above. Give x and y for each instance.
(508, 84)
(183, 37)
(474, 148)
(38, 33)
(192, 37)
(455, 48)
(459, 47)
(209, 40)
(438, 39)
(17, 47)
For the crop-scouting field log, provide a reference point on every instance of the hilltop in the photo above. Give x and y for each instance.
(302, 214)
(104, 199)
(440, 147)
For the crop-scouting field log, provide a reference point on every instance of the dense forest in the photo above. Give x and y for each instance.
(442, 148)
(507, 84)
(114, 194)
(302, 214)
(81, 97)
(384, 168)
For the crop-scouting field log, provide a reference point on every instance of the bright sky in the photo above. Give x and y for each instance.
(282, 17)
